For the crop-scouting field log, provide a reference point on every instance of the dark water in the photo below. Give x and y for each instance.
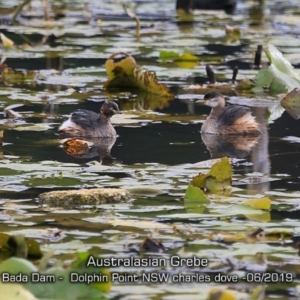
(161, 142)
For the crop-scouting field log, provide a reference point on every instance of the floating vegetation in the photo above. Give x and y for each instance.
(84, 197)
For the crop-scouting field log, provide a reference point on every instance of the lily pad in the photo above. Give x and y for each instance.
(259, 203)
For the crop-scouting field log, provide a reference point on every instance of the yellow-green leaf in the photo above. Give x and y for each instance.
(219, 294)
(199, 181)
(213, 185)
(259, 203)
(119, 62)
(258, 292)
(168, 55)
(264, 217)
(195, 194)
(123, 71)
(221, 170)
(7, 43)
(187, 57)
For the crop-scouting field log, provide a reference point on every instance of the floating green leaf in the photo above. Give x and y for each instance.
(259, 203)
(175, 56)
(19, 246)
(16, 265)
(195, 194)
(222, 170)
(219, 177)
(168, 55)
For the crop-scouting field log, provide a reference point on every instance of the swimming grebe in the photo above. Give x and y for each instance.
(233, 120)
(87, 123)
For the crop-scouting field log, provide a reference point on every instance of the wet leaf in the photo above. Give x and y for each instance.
(62, 287)
(35, 127)
(214, 186)
(221, 294)
(219, 176)
(19, 246)
(15, 291)
(123, 71)
(80, 266)
(258, 293)
(259, 203)
(6, 42)
(195, 194)
(187, 64)
(280, 76)
(232, 33)
(177, 57)
(34, 250)
(264, 217)
(10, 76)
(187, 57)
(229, 237)
(16, 265)
(222, 170)
(168, 55)
(275, 112)
(199, 181)
(291, 103)
(218, 179)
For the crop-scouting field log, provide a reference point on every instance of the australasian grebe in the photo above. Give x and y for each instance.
(233, 120)
(86, 123)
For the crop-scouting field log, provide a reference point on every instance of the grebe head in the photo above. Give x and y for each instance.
(109, 108)
(214, 99)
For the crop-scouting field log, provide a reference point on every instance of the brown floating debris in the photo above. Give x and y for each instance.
(210, 74)
(255, 232)
(84, 197)
(10, 114)
(151, 245)
(257, 58)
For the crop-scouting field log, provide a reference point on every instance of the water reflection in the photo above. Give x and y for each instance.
(230, 146)
(260, 152)
(240, 146)
(90, 148)
(140, 100)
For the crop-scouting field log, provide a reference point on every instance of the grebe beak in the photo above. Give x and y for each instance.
(203, 101)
